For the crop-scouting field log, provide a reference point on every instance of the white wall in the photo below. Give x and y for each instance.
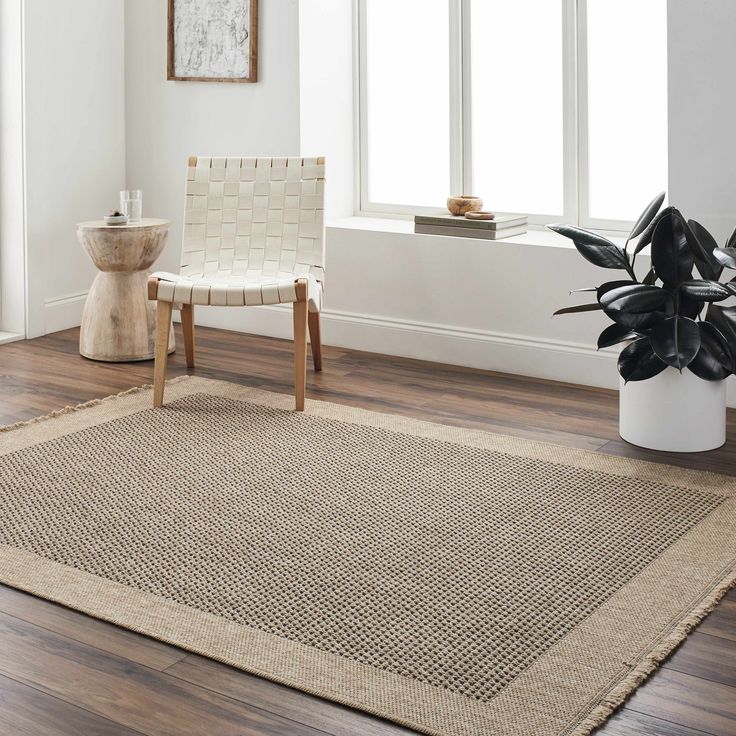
(75, 146)
(12, 225)
(167, 122)
(702, 99)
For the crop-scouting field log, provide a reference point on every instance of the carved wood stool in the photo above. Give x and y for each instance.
(118, 322)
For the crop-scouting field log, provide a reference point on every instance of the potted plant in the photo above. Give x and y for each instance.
(679, 341)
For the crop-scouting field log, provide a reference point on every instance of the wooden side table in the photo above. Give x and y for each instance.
(118, 322)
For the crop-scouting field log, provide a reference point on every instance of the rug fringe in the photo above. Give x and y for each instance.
(86, 405)
(667, 646)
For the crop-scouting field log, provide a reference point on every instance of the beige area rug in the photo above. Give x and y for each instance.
(454, 581)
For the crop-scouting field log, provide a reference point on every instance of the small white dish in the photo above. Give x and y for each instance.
(117, 220)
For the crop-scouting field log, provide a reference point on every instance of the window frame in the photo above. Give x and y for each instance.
(576, 180)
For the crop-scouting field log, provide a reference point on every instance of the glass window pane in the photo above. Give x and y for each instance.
(627, 105)
(516, 72)
(408, 101)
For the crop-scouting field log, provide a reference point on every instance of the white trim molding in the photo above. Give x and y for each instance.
(61, 313)
(568, 362)
(496, 351)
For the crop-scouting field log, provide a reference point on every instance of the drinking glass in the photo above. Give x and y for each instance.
(131, 204)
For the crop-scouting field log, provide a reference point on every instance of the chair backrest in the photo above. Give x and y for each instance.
(254, 215)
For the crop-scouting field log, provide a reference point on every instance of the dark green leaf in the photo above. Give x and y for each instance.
(702, 244)
(731, 243)
(672, 257)
(714, 360)
(638, 361)
(595, 248)
(688, 307)
(581, 236)
(637, 306)
(705, 291)
(579, 308)
(724, 320)
(676, 341)
(646, 236)
(611, 285)
(615, 334)
(725, 256)
(605, 256)
(650, 278)
(647, 216)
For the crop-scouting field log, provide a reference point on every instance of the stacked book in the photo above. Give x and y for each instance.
(502, 226)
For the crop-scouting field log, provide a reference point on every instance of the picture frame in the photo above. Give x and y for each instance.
(212, 42)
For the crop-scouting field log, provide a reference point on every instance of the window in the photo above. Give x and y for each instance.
(554, 108)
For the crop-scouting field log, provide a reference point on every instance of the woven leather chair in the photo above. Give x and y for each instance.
(253, 234)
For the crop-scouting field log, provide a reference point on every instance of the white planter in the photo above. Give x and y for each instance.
(676, 412)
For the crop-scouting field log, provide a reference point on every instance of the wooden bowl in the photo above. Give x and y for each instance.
(462, 203)
(116, 219)
(479, 215)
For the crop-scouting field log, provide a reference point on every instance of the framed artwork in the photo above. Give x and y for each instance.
(213, 40)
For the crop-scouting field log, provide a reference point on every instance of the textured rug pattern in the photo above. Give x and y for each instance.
(451, 565)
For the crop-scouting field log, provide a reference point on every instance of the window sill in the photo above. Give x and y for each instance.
(534, 237)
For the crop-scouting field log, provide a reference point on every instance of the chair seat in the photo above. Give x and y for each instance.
(236, 289)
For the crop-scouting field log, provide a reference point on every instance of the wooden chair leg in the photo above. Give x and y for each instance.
(163, 325)
(315, 338)
(187, 325)
(300, 344)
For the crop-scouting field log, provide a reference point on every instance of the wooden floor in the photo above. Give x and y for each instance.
(64, 673)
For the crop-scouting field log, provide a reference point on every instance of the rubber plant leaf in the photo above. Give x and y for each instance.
(647, 216)
(611, 285)
(650, 278)
(581, 235)
(676, 341)
(705, 291)
(714, 360)
(638, 361)
(578, 308)
(646, 236)
(725, 256)
(594, 248)
(688, 307)
(724, 320)
(637, 306)
(703, 244)
(672, 257)
(615, 334)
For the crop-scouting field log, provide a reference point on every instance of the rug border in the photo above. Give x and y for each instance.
(586, 720)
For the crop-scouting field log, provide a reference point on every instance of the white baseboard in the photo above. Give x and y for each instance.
(570, 362)
(10, 337)
(496, 351)
(485, 349)
(64, 312)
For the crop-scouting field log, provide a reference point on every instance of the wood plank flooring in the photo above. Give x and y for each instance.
(63, 673)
